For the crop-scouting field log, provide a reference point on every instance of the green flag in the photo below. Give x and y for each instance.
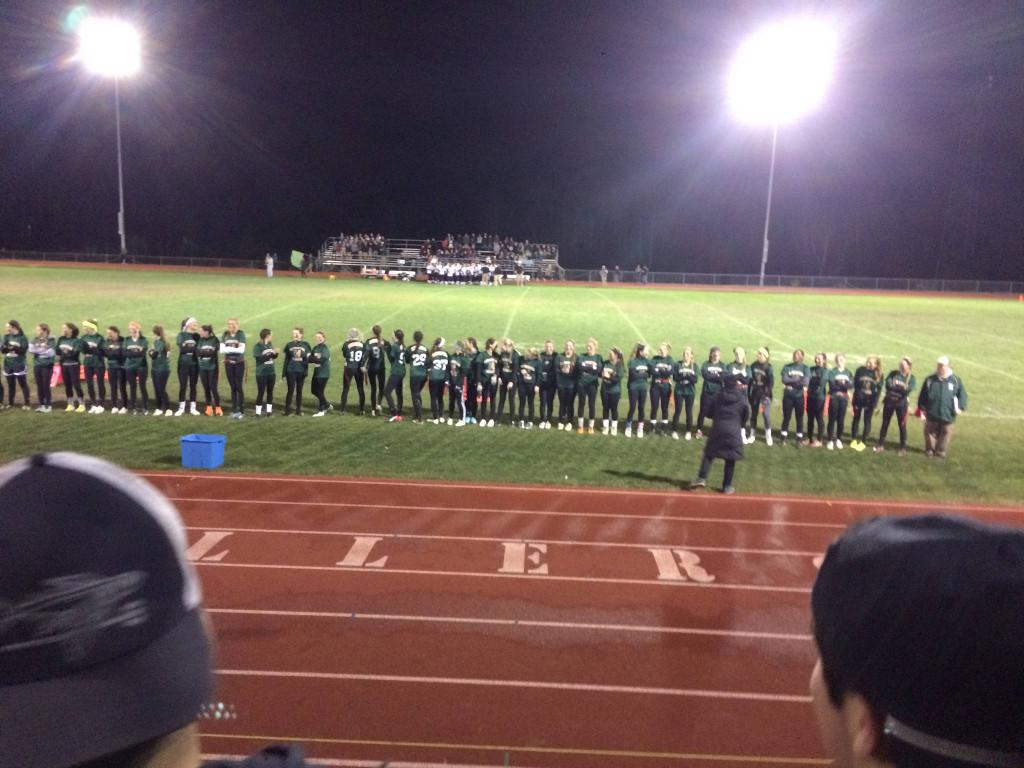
(297, 259)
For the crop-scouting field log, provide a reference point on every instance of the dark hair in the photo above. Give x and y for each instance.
(489, 344)
(115, 329)
(264, 333)
(158, 331)
(399, 334)
(299, 329)
(417, 336)
(471, 340)
(437, 344)
(74, 330)
(638, 350)
(16, 325)
(45, 327)
(208, 329)
(376, 331)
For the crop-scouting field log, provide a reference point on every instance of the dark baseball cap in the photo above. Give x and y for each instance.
(924, 617)
(102, 643)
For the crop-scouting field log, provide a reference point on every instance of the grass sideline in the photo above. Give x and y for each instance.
(984, 338)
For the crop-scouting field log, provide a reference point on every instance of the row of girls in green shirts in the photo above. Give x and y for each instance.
(111, 358)
(824, 394)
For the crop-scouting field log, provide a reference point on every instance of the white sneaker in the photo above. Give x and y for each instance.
(490, 422)
(181, 410)
(640, 431)
(169, 412)
(839, 445)
(482, 423)
(450, 422)
(675, 435)
(318, 414)
(158, 412)
(529, 425)
(458, 423)
(194, 411)
(629, 430)
(605, 429)
(687, 436)
(768, 439)
(831, 445)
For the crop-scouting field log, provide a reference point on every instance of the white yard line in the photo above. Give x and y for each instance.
(627, 318)
(743, 324)
(515, 311)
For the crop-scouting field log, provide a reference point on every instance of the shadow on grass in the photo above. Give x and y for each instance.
(672, 482)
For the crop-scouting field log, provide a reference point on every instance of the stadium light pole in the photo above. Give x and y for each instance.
(781, 73)
(112, 48)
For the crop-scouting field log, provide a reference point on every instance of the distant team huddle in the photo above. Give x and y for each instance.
(484, 384)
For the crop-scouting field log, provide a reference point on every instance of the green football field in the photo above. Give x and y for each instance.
(983, 337)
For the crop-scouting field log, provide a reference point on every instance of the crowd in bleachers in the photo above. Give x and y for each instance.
(358, 246)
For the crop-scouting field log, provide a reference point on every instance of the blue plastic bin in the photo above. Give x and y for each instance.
(202, 451)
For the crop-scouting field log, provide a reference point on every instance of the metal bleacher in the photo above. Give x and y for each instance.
(400, 258)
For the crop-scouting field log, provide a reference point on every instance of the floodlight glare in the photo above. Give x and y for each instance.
(782, 71)
(109, 47)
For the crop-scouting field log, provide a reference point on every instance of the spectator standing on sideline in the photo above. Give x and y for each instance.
(604, 275)
(617, 274)
(114, 670)
(919, 636)
(269, 262)
(730, 411)
(307, 259)
(942, 398)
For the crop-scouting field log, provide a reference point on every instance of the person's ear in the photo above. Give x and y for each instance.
(862, 727)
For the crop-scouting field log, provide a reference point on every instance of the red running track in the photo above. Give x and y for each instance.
(433, 624)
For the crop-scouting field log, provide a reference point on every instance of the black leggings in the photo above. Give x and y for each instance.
(136, 381)
(93, 381)
(70, 373)
(505, 393)
(565, 397)
(547, 401)
(793, 404)
(456, 401)
(705, 468)
(394, 385)
(265, 388)
(637, 401)
(376, 386)
(160, 378)
(859, 411)
(296, 381)
(317, 387)
(527, 393)
(437, 398)
(43, 374)
(706, 398)
(682, 400)
(760, 402)
(347, 379)
(659, 400)
(22, 381)
(487, 393)
(610, 405)
(236, 375)
(416, 391)
(118, 387)
(816, 418)
(210, 379)
(586, 394)
(837, 407)
(900, 412)
(187, 378)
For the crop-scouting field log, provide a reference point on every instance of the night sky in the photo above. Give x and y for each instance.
(600, 126)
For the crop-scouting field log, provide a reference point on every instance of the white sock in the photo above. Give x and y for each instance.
(581, 423)
(270, 408)
(259, 409)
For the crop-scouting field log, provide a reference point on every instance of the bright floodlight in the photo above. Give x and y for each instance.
(109, 47)
(782, 71)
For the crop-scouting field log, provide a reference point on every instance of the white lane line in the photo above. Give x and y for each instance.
(500, 539)
(571, 625)
(493, 575)
(370, 507)
(627, 318)
(515, 311)
(781, 698)
(893, 507)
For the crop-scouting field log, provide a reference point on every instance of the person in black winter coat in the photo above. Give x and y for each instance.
(730, 410)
